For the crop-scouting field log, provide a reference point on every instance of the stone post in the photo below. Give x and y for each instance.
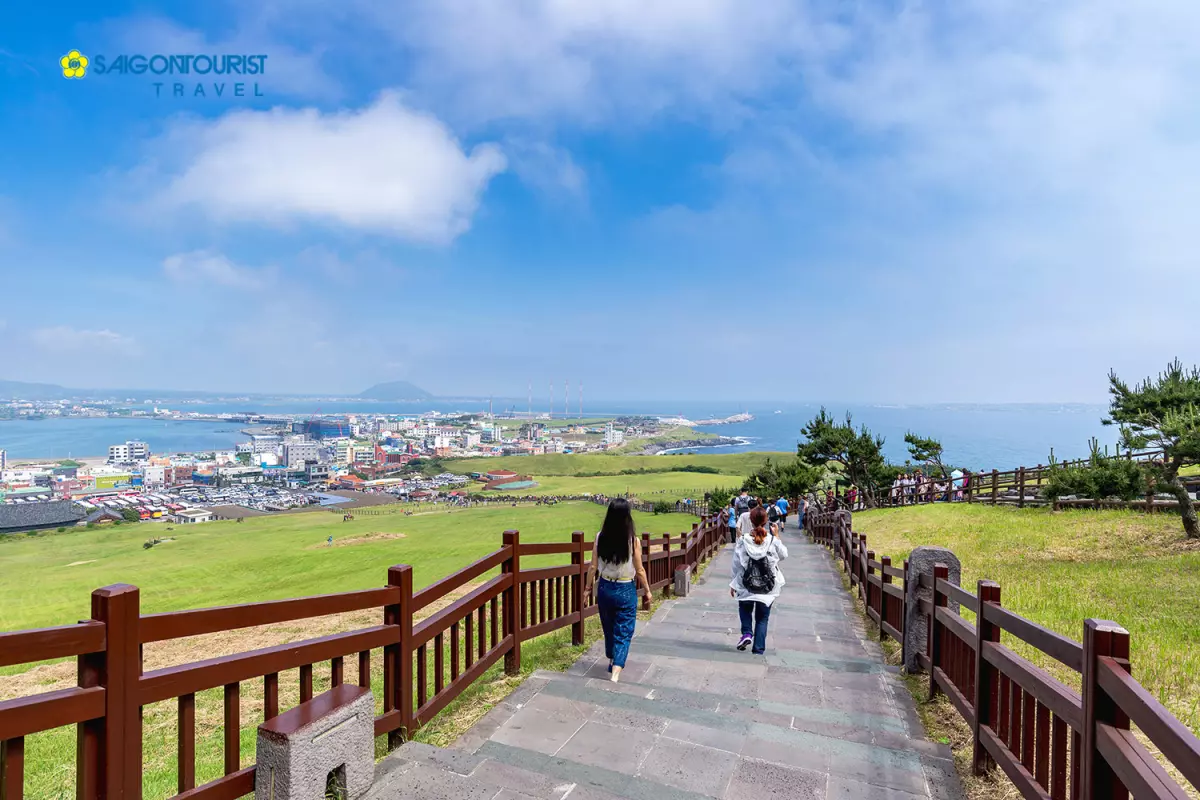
(916, 624)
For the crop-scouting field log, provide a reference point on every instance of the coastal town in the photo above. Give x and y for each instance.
(285, 463)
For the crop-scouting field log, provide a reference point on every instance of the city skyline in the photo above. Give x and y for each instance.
(988, 203)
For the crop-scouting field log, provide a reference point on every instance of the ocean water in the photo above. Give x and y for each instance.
(975, 436)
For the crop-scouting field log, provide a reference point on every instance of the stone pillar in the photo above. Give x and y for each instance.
(683, 581)
(916, 624)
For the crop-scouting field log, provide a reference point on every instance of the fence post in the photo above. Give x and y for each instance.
(940, 573)
(646, 559)
(115, 744)
(995, 486)
(577, 559)
(401, 690)
(862, 566)
(666, 545)
(969, 480)
(693, 546)
(870, 572)
(1021, 487)
(512, 602)
(1149, 495)
(884, 578)
(1100, 638)
(986, 679)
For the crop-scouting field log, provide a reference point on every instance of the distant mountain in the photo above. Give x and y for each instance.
(14, 390)
(395, 390)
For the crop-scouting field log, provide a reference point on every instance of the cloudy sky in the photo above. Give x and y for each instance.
(985, 200)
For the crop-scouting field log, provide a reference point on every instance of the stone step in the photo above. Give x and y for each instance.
(632, 739)
(730, 701)
(417, 771)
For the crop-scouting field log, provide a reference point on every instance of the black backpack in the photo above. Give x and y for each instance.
(741, 505)
(773, 513)
(758, 577)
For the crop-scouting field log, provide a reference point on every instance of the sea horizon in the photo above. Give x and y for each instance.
(975, 435)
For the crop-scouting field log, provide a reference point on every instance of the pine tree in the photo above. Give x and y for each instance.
(859, 452)
(1165, 414)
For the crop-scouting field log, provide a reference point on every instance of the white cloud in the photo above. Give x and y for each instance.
(478, 60)
(545, 167)
(384, 168)
(66, 340)
(214, 269)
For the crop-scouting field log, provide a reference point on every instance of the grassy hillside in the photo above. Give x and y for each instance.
(740, 464)
(1057, 568)
(656, 486)
(266, 558)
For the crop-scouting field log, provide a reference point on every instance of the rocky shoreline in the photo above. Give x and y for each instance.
(654, 448)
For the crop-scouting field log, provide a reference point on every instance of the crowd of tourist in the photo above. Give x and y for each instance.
(910, 488)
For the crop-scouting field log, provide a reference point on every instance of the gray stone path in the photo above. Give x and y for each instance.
(819, 716)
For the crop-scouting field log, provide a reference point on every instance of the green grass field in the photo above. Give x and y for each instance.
(1058, 568)
(739, 464)
(660, 486)
(48, 578)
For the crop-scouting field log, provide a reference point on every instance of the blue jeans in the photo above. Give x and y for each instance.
(755, 615)
(618, 616)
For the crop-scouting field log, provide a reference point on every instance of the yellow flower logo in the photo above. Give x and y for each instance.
(74, 64)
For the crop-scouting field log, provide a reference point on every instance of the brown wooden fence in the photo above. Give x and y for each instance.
(426, 663)
(1050, 740)
(1020, 487)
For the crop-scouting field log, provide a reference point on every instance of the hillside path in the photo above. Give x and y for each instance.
(819, 716)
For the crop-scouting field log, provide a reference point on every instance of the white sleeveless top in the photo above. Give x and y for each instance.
(620, 573)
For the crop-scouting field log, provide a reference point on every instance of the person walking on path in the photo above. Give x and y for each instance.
(782, 504)
(741, 503)
(756, 580)
(617, 557)
(731, 522)
(744, 525)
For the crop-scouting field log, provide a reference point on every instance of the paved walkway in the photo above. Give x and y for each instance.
(819, 716)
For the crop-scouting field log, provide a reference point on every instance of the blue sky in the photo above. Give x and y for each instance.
(988, 200)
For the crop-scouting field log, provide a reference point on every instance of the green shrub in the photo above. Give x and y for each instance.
(663, 507)
(1101, 478)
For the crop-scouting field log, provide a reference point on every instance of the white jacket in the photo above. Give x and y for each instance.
(773, 550)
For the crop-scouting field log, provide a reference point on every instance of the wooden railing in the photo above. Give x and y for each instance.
(1019, 487)
(1050, 740)
(427, 662)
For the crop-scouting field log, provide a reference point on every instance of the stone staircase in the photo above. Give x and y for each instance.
(819, 716)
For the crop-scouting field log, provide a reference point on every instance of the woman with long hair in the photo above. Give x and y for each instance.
(756, 579)
(617, 557)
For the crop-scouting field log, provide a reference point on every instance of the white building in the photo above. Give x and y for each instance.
(191, 516)
(154, 475)
(343, 451)
(297, 454)
(438, 442)
(129, 452)
(556, 445)
(3, 461)
(265, 442)
(613, 435)
(493, 433)
(471, 439)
